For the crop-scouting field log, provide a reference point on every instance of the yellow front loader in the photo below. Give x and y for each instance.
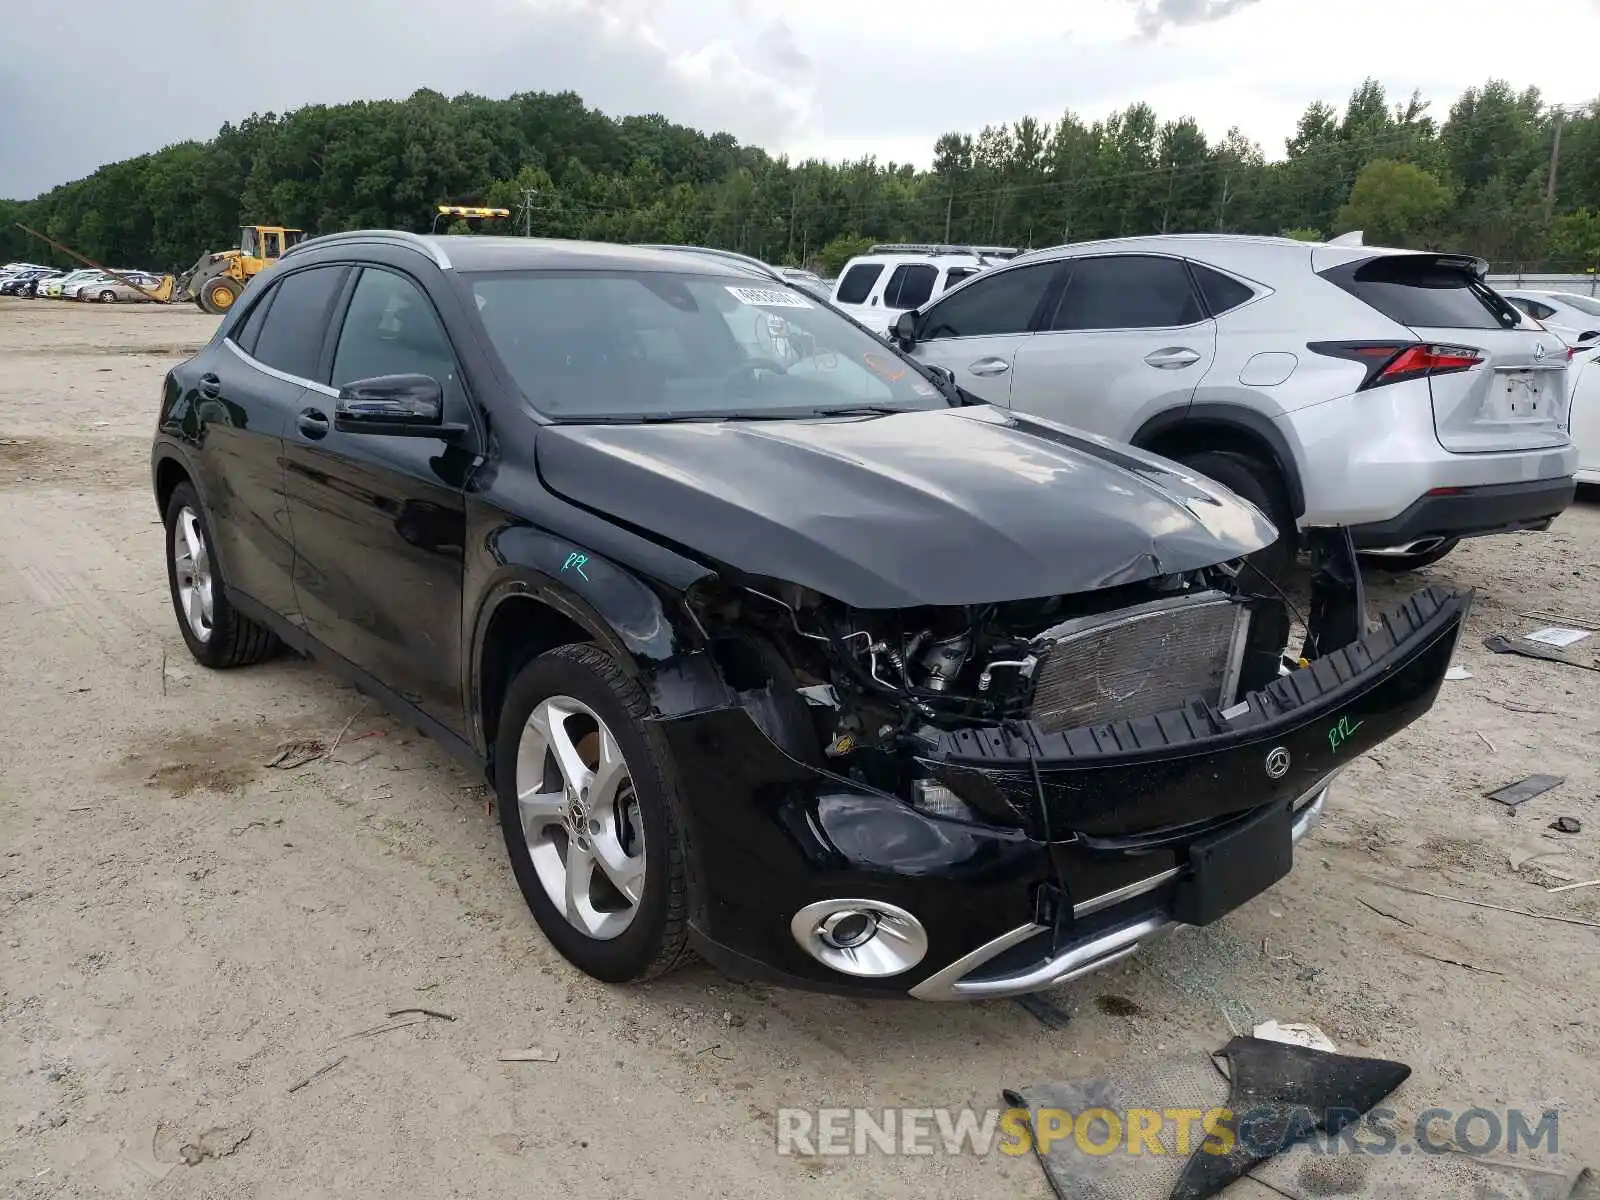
(215, 281)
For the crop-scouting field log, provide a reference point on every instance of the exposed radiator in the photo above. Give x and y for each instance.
(1139, 661)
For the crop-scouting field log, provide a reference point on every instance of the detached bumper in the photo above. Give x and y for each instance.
(1173, 819)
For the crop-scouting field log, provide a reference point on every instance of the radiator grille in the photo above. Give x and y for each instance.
(1140, 661)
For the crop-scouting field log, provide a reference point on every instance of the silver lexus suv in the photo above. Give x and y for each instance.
(1332, 384)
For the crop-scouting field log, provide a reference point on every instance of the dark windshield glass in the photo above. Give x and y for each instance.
(601, 344)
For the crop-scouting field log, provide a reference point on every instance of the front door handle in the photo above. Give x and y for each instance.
(986, 367)
(210, 386)
(313, 423)
(1172, 357)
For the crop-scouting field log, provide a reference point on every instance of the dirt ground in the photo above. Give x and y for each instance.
(187, 935)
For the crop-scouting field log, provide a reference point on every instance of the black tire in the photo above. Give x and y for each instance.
(656, 941)
(235, 640)
(211, 290)
(1258, 483)
(1408, 562)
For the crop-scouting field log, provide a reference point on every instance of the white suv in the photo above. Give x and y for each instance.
(876, 287)
(1333, 385)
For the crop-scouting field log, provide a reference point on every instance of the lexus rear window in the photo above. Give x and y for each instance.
(1425, 293)
(857, 283)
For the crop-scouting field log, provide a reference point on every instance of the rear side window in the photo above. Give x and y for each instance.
(910, 286)
(1427, 293)
(290, 338)
(1533, 308)
(1003, 301)
(956, 274)
(1127, 291)
(857, 283)
(1220, 292)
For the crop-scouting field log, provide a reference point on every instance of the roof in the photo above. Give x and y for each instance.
(469, 253)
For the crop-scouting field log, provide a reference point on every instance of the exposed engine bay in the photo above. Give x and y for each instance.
(852, 687)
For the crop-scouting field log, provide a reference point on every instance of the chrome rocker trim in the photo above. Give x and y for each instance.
(1101, 951)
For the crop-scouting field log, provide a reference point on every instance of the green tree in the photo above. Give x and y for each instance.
(1395, 203)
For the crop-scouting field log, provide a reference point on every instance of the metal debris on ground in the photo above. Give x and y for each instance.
(533, 1054)
(1523, 790)
(426, 1012)
(317, 1074)
(1458, 673)
(1567, 825)
(1501, 644)
(1555, 635)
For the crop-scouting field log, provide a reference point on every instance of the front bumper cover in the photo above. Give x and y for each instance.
(1134, 808)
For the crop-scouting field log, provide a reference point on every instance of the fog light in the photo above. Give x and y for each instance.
(867, 938)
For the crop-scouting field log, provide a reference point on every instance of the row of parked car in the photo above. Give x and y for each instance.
(32, 281)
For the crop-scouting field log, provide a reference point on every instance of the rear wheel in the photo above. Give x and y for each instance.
(217, 634)
(589, 813)
(108, 297)
(1258, 483)
(1409, 562)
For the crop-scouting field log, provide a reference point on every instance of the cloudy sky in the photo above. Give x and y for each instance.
(84, 82)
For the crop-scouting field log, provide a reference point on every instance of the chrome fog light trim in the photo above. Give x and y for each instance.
(866, 938)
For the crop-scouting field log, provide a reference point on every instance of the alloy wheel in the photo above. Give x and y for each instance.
(580, 817)
(191, 571)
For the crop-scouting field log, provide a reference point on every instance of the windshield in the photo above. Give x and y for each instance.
(1584, 304)
(617, 345)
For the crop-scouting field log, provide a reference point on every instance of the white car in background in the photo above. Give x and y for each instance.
(876, 287)
(1585, 368)
(1572, 317)
(56, 288)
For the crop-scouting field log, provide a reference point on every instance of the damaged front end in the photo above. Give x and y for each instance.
(986, 800)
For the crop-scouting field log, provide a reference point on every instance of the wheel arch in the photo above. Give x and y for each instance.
(1182, 431)
(169, 472)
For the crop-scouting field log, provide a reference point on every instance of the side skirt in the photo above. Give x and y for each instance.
(398, 706)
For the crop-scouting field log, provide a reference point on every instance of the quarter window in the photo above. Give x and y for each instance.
(1003, 301)
(290, 337)
(1221, 292)
(910, 286)
(1127, 291)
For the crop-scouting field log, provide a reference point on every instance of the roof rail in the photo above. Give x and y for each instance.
(394, 237)
(745, 260)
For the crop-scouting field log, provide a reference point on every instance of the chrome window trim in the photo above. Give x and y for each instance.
(258, 365)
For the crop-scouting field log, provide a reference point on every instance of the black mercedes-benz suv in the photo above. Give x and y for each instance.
(773, 644)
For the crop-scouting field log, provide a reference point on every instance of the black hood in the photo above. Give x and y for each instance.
(946, 507)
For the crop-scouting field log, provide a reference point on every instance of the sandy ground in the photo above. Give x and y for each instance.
(187, 934)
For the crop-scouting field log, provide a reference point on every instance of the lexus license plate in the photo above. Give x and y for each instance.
(1522, 395)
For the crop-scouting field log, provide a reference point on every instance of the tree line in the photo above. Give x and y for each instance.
(1504, 175)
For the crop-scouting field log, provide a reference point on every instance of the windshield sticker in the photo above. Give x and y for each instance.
(885, 366)
(923, 388)
(767, 297)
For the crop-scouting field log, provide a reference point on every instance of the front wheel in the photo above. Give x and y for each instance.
(589, 813)
(108, 297)
(1409, 562)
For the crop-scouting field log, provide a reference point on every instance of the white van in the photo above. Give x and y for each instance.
(876, 287)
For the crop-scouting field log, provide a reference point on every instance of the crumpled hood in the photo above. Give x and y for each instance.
(945, 507)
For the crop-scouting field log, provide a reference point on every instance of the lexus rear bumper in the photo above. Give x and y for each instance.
(1094, 841)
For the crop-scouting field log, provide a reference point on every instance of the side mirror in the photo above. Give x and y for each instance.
(397, 405)
(905, 329)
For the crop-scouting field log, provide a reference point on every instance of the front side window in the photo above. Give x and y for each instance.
(290, 339)
(857, 283)
(1127, 291)
(392, 329)
(619, 345)
(1002, 302)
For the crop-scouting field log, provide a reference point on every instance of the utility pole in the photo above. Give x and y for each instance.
(794, 198)
(1222, 207)
(527, 211)
(1555, 162)
(949, 203)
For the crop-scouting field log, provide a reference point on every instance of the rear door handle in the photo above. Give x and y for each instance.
(1172, 357)
(312, 422)
(984, 367)
(210, 386)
